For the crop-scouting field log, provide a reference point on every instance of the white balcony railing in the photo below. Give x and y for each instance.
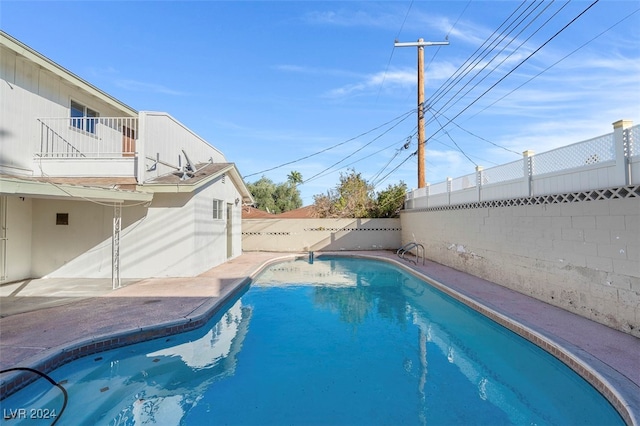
(90, 137)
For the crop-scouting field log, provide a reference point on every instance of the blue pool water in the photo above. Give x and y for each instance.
(340, 341)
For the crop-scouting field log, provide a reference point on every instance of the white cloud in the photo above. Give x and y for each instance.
(391, 79)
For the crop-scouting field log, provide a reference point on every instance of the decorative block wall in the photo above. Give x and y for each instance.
(579, 251)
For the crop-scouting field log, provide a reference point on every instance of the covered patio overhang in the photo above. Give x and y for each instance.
(36, 188)
(41, 188)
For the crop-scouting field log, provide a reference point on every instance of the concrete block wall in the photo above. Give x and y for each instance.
(294, 235)
(581, 256)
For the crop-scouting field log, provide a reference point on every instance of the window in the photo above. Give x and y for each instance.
(217, 209)
(83, 118)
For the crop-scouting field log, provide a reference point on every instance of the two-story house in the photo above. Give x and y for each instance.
(90, 187)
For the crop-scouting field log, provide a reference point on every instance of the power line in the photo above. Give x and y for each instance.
(555, 63)
(484, 160)
(358, 150)
(454, 142)
(384, 76)
(372, 179)
(480, 137)
(413, 154)
(398, 151)
(456, 76)
(446, 37)
(402, 117)
(486, 65)
(361, 159)
(520, 64)
(503, 36)
(339, 144)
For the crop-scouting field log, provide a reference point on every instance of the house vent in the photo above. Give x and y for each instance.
(62, 218)
(224, 177)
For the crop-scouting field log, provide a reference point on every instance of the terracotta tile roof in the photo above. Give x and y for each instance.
(249, 212)
(305, 212)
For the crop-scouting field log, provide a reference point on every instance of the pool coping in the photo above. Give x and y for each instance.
(619, 390)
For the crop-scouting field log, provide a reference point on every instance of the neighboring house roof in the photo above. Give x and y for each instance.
(204, 174)
(305, 212)
(46, 63)
(301, 213)
(250, 212)
(48, 188)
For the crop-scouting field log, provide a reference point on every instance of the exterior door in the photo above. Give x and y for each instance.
(128, 142)
(229, 230)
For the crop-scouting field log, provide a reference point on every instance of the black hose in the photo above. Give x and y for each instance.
(50, 380)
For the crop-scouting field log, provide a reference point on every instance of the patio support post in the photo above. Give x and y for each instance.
(141, 149)
(115, 246)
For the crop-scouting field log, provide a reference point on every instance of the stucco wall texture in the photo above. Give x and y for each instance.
(581, 256)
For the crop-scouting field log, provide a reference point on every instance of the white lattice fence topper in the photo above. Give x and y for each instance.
(633, 141)
(509, 171)
(464, 182)
(580, 154)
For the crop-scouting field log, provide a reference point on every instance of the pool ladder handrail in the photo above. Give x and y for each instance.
(408, 247)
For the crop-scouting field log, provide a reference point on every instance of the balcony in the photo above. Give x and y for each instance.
(87, 146)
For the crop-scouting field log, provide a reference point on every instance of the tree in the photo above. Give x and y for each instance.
(287, 197)
(294, 178)
(277, 198)
(390, 201)
(354, 197)
(263, 191)
(323, 205)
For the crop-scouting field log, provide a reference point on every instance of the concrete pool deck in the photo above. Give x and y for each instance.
(48, 322)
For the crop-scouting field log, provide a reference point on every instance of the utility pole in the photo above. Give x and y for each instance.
(420, 44)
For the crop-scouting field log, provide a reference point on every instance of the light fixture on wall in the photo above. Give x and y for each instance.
(237, 201)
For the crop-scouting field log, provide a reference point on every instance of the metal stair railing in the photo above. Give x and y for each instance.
(50, 141)
(407, 249)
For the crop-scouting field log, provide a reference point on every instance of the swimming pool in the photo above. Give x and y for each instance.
(339, 341)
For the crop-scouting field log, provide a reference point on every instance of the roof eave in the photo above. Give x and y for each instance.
(37, 189)
(185, 187)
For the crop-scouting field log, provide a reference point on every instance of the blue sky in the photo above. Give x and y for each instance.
(271, 82)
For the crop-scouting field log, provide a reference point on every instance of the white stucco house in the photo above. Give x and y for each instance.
(91, 188)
